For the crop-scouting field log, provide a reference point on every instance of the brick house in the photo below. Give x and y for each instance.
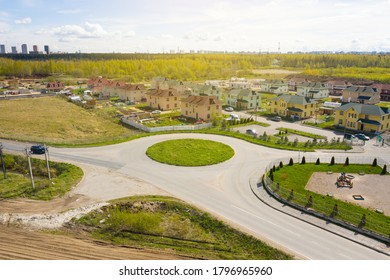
(361, 94)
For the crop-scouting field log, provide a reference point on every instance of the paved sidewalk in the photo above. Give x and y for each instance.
(263, 195)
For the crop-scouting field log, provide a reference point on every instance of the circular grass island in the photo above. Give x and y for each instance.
(190, 152)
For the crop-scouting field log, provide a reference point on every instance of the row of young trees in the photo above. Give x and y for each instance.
(143, 67)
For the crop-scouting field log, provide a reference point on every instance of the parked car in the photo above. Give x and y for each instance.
(276, 119)
(362, 136)
(251, 131)
(37, 149)
(229, 109)
(156, 112)
(233, 117)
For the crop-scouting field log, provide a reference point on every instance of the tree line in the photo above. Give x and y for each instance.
(186, 67)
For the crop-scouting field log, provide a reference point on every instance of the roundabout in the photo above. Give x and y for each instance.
(221, 189)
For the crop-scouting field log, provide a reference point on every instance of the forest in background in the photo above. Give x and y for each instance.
(192, 67)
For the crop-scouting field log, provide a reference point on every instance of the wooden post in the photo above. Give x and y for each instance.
(29, 166)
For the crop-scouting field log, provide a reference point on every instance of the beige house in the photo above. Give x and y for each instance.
(201, 107)
(275, 86)
(162, 83)
(164, 100)
(313, 90)
(361, 94)
(128, 92)
(204, 90)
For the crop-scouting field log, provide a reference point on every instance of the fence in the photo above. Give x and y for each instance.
(165, 128)
(329, 210)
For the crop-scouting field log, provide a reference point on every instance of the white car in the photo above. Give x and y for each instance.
(229, 109)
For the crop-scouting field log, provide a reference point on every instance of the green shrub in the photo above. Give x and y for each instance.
(318, 161)
(384, 170)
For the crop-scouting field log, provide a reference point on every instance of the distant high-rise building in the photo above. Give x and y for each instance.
(35, 48)
(2, 48)
(46, 48)
(14, 50)
(24, 48)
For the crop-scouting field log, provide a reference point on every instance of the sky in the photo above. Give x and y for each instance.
(162, 26)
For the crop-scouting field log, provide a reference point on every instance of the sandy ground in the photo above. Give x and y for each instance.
(375, 189)
(22, 219)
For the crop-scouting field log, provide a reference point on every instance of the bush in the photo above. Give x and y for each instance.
(332, 161)
(280, 164)
(291, 162)
(303, 160)
(346, 161)
(374, 163)
(318, 161)
(384, 170)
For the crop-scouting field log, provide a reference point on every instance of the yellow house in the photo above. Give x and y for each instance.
(163, 99)
(362, 117)
(293, 106)
(201, 107)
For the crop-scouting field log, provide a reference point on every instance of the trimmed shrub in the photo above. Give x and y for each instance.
(291, 162)
(374, 163)
(280, 164)
(384, 170)
(303, 160)
(332, 161)
(346, 161)
(318, 161)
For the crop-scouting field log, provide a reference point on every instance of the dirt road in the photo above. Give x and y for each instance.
(23, 244)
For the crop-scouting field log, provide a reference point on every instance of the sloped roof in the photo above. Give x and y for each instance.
(364, 109)
(163, 93)
(239, 93)
(361, 89)
(295, 99)
(312, 85)
(202, 100)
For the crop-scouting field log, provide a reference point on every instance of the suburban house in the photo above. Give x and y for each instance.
(128, 92)
(162, 83)
(243, 99)
(274, 86)
(362, 117)
(239, 83)
(294, 82)
(293, 106)
(54, 86)
(163, 99)
(384, 91)
(361, 94)
(97, 84)
(336, 87)
(313, 90)
(201, 107)
(204, 90)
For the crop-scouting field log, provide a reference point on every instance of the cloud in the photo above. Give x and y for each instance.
(23, 21)
(69, 33)
(69, 12)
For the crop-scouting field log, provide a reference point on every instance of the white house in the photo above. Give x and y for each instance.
(274, 86)
(313, 90)
(243, 99)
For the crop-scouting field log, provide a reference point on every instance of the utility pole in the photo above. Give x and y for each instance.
(47, 161)
(2, 160)
(29, 166)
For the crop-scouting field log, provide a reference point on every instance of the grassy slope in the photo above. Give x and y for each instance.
(166, 223)
(56, 121)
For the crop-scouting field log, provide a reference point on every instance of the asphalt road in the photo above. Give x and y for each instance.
(224, 191)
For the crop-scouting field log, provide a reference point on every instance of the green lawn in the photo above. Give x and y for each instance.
(167, 223)
(18, 184)
(296, 177)
(190, 152)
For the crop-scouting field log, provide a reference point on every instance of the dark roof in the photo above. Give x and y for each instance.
(294, 109)
(362, 97)
(366, 121)
(361, 89)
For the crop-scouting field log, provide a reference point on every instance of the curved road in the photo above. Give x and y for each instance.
(224, 191)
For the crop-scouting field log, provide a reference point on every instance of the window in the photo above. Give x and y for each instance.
(208, 108)
(341, 113)
(208, 116)
(175, 105)
(217, 107)
(167, 106)
(168, 99)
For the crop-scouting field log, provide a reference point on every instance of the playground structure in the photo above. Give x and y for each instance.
(345, 181)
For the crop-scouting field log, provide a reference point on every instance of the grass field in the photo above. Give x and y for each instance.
(18, 184)
(53, 120)
(167, 223)
(190, 152)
